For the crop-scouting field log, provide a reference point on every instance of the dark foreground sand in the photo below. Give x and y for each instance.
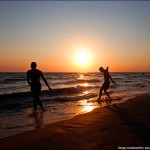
(111, 127)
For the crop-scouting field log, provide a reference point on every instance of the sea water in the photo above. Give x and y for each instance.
(72, 94)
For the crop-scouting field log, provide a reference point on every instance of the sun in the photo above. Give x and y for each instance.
(82, 57)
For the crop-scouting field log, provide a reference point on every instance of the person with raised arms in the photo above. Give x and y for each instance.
(106, 83)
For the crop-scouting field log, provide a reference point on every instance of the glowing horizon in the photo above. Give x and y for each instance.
(75, 36)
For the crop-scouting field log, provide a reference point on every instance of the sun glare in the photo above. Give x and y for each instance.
(82, 57)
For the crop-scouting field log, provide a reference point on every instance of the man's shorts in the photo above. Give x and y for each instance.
(36, 88)
(105, 86)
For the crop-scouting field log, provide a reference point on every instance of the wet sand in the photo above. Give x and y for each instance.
(117, 126)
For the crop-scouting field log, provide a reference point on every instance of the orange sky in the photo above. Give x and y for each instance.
(75, 36)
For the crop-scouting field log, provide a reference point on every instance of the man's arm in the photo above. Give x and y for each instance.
(28, 79)
(45, 81)
(111, 79)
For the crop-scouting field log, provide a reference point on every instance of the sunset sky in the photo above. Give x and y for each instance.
(75, 36)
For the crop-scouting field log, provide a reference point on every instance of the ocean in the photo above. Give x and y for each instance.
(72, 94)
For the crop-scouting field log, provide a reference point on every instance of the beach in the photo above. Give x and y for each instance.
(124, 125)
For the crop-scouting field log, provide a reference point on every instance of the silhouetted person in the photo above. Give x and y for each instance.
(106, 83)
(33, 78)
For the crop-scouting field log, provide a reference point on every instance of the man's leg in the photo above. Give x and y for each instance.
(100, 93)
(39, 91)
(35, 101)
(105, 90)
(40, 103)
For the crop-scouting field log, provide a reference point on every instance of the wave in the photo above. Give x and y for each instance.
(69, 90)
(61, 91)
(139, 85)
(136, 76)
(12, 80)
(82, 81)
(71, 98)
(18, 105)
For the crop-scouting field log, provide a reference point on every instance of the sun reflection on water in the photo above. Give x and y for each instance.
(86, 92)
(86, 107)
(85, 84)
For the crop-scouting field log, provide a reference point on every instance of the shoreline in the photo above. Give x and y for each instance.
(124, 124)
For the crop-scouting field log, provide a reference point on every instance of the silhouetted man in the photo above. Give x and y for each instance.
(33, 78)
(106, 83)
